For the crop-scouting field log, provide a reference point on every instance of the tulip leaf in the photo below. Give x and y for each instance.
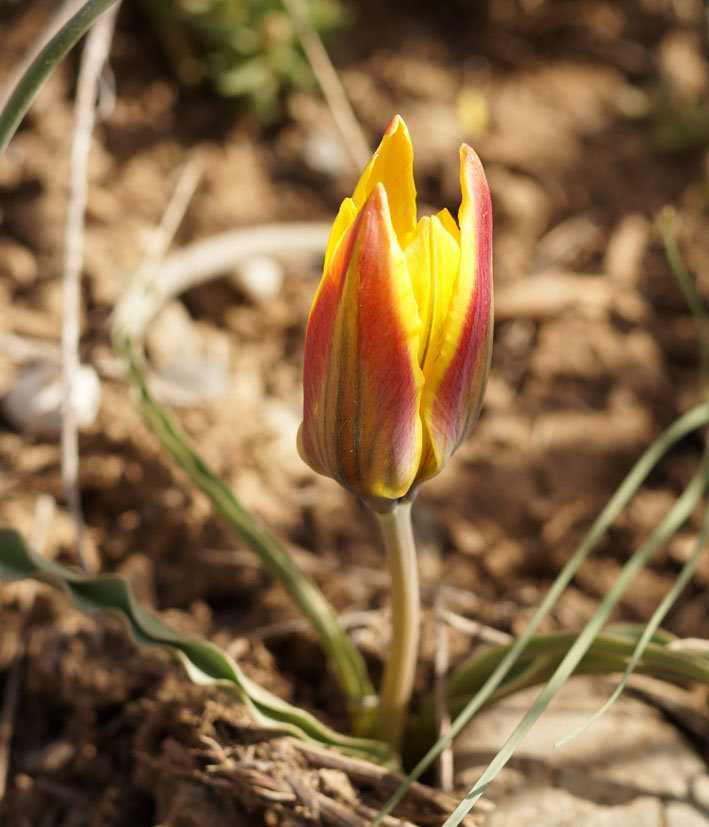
(346, 660)
(643, 649)
(205, 663)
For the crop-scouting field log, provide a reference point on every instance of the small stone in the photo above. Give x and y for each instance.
(700, 790)
(631, 752)
(260, 277)
(34, 401)
(189, 364)
(323, 152)
(679, 814)
(626, 248)
(18, 263)
(540, 807)
(643, 812)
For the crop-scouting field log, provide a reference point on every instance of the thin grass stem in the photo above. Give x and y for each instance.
(691, 421)
(680, 511)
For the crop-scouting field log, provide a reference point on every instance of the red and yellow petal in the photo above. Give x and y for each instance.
(393, 166)
(343, 220)
(455, 380)
(362, 382)
(432, 260)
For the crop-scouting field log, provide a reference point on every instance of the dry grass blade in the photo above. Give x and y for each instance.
(332, 88)
(93, 61)
(441, 665)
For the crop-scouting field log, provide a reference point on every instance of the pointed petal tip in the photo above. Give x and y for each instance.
(471, 167)
(394, 124)
(476, 204)
(377, 198)
(398, 132)
(377, 207)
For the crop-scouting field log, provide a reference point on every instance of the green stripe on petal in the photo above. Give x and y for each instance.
(362, 381)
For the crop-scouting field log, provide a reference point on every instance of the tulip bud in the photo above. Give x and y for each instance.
(398, 342)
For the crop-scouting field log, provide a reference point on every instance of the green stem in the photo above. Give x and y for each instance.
(44, 64)
(405, 620)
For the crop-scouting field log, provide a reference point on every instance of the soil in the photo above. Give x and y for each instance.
(590, 118)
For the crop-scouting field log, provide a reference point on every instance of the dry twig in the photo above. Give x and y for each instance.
(93, 60)
(477, 630)
(203, 260)
(440, 670)
(335, 95)
(162, 236)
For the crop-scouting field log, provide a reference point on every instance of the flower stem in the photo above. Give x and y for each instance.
(405, 618)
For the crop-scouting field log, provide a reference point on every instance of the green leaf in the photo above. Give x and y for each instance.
(43, 66)
(204, 662)
(628, 648)
(347, 662)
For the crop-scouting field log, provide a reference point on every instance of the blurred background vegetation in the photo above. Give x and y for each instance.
(248, 49)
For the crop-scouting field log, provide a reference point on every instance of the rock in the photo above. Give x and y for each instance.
(700, 791)
(190, 365)
(324, 153)
(17, 263)
(626, 248)
(34, 401)
(620, 771)
(260, 277)
(679, 814)
(643, 812)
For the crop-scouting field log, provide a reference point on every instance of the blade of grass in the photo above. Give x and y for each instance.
(693, 419)
(674, 518)
(348, 663)
(658, 615)
(44, 64)
(610, 652)
(698, 311)
(204, 662)
(689, 291)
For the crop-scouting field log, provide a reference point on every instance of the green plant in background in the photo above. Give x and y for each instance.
(676, 124)
(248, 49)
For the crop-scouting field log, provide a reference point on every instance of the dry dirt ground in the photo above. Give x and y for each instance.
(590, 117)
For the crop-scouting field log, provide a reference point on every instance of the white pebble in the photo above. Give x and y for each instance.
(34, 401)
(260, 277)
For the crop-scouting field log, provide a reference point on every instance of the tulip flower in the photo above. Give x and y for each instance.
(397, 351)
(398, 341)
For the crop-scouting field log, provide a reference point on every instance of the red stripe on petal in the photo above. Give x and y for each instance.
(454, 391)
(362, 381)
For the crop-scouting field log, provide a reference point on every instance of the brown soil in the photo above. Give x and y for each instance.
(581, 112)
